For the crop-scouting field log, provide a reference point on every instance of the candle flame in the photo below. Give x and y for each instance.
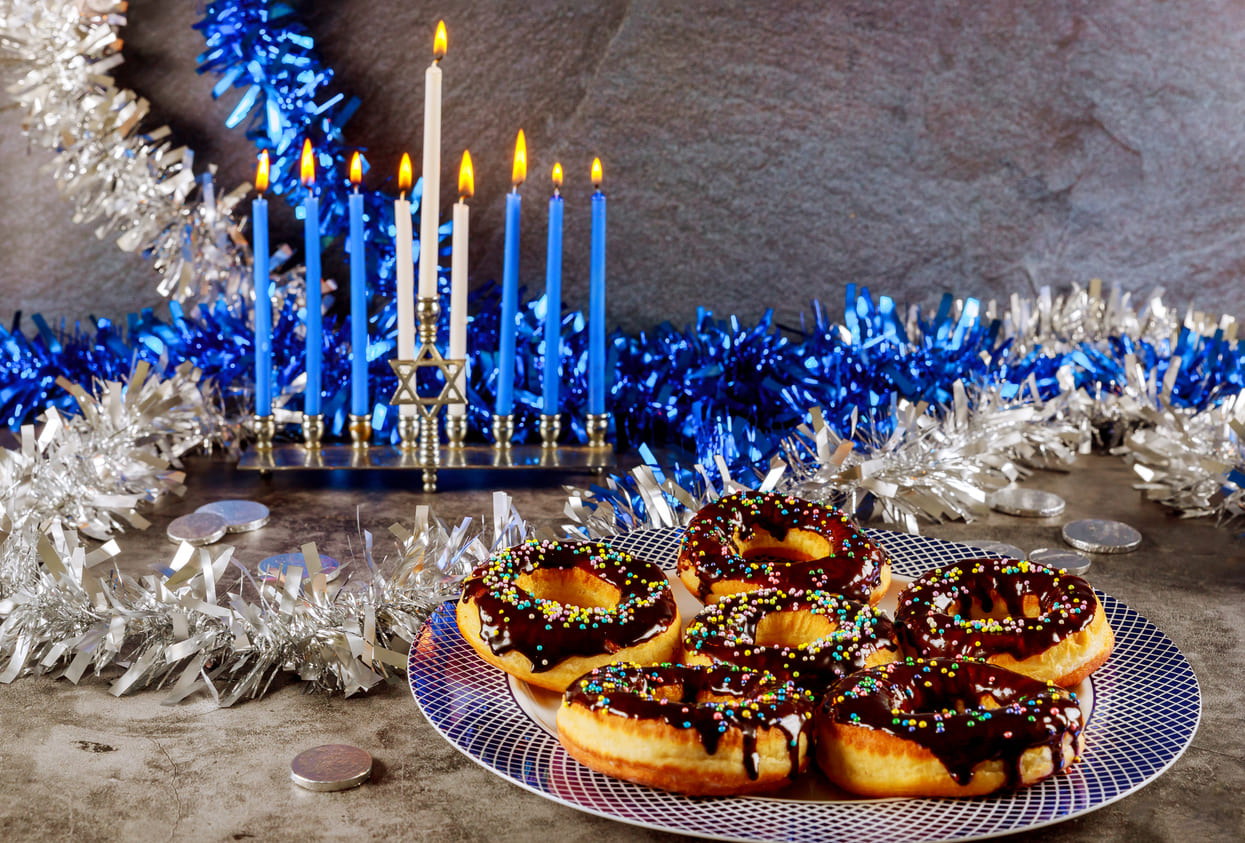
(519, 173)
(557, 174)
(356, 169)
(261, 172)
(307, 164)
(597, 177)
(466, 177)
(439, 42)
(404, 174)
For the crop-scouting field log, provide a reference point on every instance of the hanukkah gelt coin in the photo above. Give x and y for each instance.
(332, 766)
(198, 528)
(1029, 503)
(995, 548)
(1095, 535)
(1060, 557)
(240, 516)
(274, 568)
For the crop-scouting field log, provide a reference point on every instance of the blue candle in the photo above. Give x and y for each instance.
(553, 297)
(311, 243)
(358, 296)
(596, 299)
(510, 284)
(263, 304)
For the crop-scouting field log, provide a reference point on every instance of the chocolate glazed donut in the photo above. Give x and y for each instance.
(693, 730)
(813, 638)
(547, 612)
(751, 540)
(945, 727)
(1044, 623)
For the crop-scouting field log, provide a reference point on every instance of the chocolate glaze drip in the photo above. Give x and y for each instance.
(853, 568)
(758, 701)
(727, 632)
(894, 698)
(934, 613)
(548, 632)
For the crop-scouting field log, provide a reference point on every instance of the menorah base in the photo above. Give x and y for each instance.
(296, 457)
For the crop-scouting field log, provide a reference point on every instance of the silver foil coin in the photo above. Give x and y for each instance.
(198, 528)
(1029, 503)
(276, 567)
(1094, 535)
(997, 548)
(240, 516)
(1058, 557)
(333, 766)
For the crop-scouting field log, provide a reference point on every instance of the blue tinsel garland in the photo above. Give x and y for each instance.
(716, 387)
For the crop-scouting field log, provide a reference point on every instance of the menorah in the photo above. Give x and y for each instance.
(419, 432)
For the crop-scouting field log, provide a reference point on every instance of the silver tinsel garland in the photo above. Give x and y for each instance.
(67, 608)
(133, 184)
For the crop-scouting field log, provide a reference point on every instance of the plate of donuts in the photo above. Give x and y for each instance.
(1142, 709)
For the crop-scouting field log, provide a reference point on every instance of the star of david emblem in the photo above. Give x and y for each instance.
(409, 383)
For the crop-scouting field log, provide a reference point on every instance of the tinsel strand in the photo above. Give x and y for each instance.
(66, 609)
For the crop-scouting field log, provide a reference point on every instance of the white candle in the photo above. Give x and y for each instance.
(430, 205)
(458, 278)
(405, 271)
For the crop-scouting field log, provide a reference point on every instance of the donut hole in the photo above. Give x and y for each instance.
(678, 692)
(958, 704)
(672, 692)
(571, 587)
(790, 629)
(994, 607)
(794, 546)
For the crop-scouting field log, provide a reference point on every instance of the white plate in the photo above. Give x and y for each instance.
(1146, 709)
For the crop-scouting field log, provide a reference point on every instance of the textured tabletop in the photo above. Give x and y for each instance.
(76, 761)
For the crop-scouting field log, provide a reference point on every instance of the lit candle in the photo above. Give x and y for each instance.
(553, 297)
(311, 243)
(430, 205)
(263, 304)
(405, 272)
(510, 283)
(358, 295)
(458, 278)
(596, 298)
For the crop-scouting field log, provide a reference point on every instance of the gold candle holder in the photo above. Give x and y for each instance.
(313, 431)
(503, 430)
(550, 430)
(596, 425)
(360, 432)
(408, 433)
(265, 431)
(455, 431)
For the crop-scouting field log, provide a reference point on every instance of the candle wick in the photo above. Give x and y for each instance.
(557, 192)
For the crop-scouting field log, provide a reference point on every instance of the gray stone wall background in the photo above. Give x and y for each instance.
(757, 154)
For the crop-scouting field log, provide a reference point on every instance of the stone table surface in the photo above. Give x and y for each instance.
(78, 763)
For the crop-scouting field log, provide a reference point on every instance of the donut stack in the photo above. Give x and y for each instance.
(964, 692)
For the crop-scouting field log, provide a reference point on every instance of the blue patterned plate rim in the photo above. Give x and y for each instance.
(1147, 706)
